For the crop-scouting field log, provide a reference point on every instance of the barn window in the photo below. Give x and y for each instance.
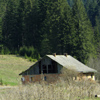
(55, 68)
(75, 78)
(22, 79)
(50, 69)
(45, 78)
(91, 75)
(31, 79)
(44, 69)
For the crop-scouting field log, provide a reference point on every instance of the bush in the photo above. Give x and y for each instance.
(26, 57)
(95, 64)
(23, 51)
(1, 82)
(58, 91)
(68, 75)
(4, 50)
(29, 52)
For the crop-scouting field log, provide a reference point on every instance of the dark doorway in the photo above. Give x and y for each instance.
(44, 69)
(39, 67)
(55, 68)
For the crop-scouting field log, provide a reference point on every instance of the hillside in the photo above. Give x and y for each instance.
(10, 67)
(49, 26)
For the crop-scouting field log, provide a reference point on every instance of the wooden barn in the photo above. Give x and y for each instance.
(49, 69)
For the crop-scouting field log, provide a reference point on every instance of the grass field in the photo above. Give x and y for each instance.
(10, 67)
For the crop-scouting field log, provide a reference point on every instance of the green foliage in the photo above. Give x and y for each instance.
(29, 52)
(97, 34)
(23, 50)
(56, 27)
(70, 2)
(50, 26)
(83, 33)
(26, 57)
(1, 82)
(4, 50)
(91, 8)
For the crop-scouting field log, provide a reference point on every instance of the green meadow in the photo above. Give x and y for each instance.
(10, 67)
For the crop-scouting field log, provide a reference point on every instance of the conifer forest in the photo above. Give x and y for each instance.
(39, 27)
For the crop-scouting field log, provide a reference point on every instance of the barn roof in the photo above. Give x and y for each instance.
(71, 63)
(68, 62)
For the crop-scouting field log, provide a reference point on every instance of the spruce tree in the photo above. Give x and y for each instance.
(91, 9)
(1, 16)
(66, 33)
(10, 29)
(26, 23)
(0, 31)
(97, 35)
(70, 2)
(21, 20)
(84, 32)
(57, 26)
(32, 24)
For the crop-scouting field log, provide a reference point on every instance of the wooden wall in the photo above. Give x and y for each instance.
(43, 77)
(50, 78)
(86, 76)
(34, 70)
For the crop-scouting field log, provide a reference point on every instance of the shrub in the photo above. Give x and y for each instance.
(23, 51)
(26, 57)
(95, 64)
(1, 82)
(58, 91)
(68, 75)
(29, 52)
(4, 50)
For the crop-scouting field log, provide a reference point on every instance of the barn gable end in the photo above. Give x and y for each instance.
(49, 67)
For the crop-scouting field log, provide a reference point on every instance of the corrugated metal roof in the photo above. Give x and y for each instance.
(71, 63)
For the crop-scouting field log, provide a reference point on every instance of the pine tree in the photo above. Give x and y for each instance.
(65, 35)
(33, 24)
(26, 22)
(91, 8)
(1, 16)
(21, 20)
(57, 26)
(97, 35)
(84, 32)
(9, 28)
(70, 2)
(0, 31)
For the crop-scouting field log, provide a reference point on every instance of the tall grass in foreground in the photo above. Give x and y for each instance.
(58, 91)
(64, 89)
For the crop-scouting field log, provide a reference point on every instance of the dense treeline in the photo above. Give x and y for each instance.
(50, 26)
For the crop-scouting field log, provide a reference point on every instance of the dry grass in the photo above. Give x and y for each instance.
(66, 89)
(59, 91)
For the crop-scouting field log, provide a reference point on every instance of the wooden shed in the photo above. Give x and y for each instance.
(49, 69)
